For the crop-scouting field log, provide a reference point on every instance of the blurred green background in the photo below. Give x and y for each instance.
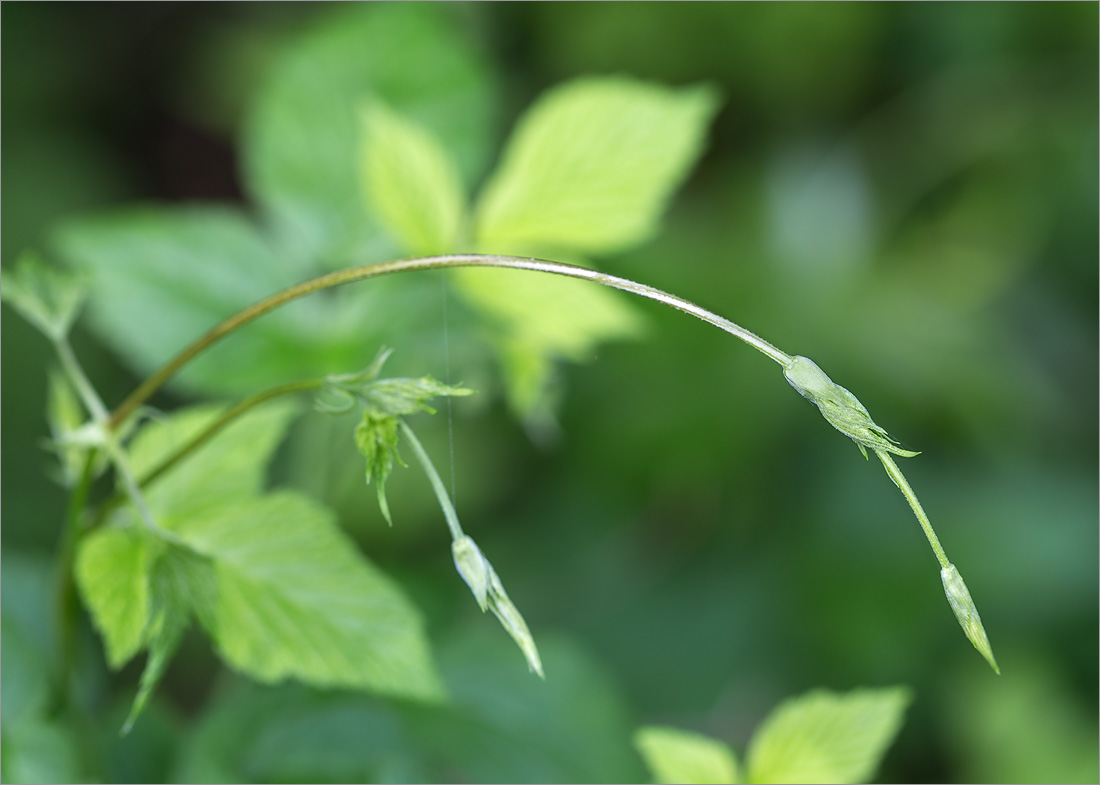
(906, 193)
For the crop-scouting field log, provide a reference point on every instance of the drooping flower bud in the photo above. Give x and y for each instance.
(967, 613)
(489, 592)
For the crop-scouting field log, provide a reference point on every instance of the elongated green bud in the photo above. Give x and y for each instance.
(840, 408)
(489, 592)
(967, 613)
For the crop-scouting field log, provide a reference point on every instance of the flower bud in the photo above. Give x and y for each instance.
(840, 408)
(967, 613)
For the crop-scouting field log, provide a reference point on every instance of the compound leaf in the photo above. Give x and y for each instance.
(827, 737)
(590, 166)
(674, 755)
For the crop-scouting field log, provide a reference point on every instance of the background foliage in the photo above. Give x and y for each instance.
(907, 194)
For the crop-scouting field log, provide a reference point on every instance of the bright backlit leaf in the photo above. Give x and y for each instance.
(827, 737)
(112, 573)
(48, 298)
(410, 183)
(590, 166)
(673, 755)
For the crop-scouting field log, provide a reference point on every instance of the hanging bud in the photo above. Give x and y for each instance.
(967, 613)
(840, 408)
(489, 592)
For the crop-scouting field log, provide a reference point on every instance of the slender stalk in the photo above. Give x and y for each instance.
(207, 434)
(899, 480)
(66, 587)
(157, 380)
(437, 483)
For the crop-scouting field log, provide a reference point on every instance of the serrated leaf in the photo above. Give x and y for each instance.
(112, 574)
(827, 737)
(591, 164)
(48, 298)
(674, 755)
(410, 183)
(229, 466)
(295, 599)
(302, 136)
(179, 580)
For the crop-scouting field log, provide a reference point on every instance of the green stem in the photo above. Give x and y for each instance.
(899, 480)
(157, 380)
(66, 586)
(207, 434)
(437, 483)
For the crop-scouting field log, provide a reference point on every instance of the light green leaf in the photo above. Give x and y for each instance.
(679, 756)
(537, 319)
(162, 277)
(827, 737)
(410, 182)
(295, 599)
(591, 165)
(402, 397)
(302, 138)
(229, 466)
(48, 298)
(112, 574)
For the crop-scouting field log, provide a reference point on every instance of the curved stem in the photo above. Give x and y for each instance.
(154, 382)
(207, 434)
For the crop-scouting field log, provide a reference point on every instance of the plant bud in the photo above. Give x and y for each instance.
(967, 613)
(840, 408)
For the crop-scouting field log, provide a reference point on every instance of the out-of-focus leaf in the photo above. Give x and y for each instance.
(504, 726)
(49, 299)
(827, 737)
(537, 319)
(26, 679)
(301, 140)
(39, 751)
(112, 573)
(590, 166)
(673, 755)
(161, 278)
(295, 598)
(410, 182)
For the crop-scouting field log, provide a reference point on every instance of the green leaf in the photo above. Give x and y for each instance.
(27, 680)
(410, 182)
(295, 599)
(65, 415)
(180, 580)
(112, 574)
(302, 138)
(229, 466)
(537, 319)
(827, 737)
(163, 277)
(591, 165)
(48, 298)
(679, 756)
(402, 397)
(376, 438)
